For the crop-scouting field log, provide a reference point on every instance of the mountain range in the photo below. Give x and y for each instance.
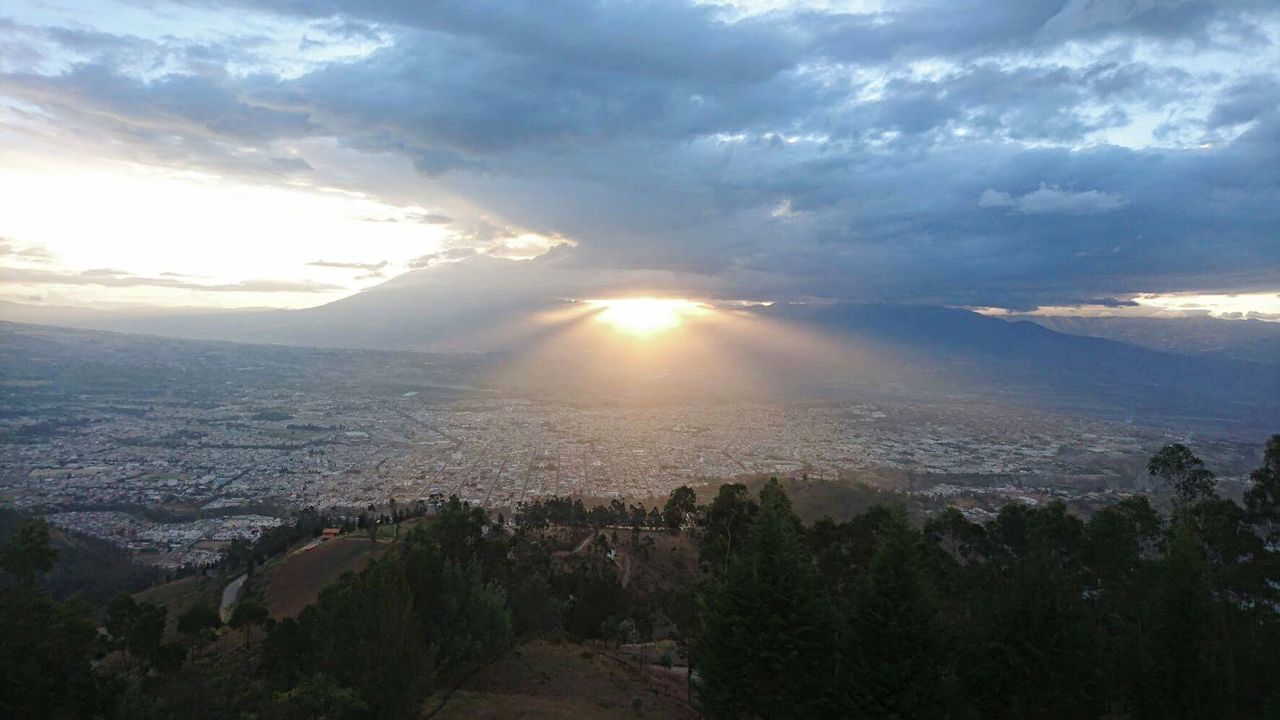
(907, 350)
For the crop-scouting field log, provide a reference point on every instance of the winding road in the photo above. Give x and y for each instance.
(230, 594)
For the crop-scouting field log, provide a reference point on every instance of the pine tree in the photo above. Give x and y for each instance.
(765, 644)
(895, 645)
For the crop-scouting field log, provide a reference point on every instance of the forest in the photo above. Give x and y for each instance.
(1147, 608)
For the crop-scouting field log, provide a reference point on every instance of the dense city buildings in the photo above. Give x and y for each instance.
(265, 431)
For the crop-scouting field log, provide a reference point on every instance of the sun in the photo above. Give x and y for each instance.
(642, 317)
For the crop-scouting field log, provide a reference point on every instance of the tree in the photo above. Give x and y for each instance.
(318, 698)
(46, 648)
(1185, 672)
(725, 521)
(896, 646)
(459, 530)
(1030, 643)
(534, 605)
(1183, 472)
(199, 624)
(764, 643)
(138, 629)
(654, 519)
(626, 633)
(29, 552)
(961, 539)
(682, 503)
(1262, 500)
(247, 613)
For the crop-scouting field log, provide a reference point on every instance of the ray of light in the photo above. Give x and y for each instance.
(646, 316)
(709, 353)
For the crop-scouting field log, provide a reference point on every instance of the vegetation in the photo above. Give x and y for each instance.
(1037, 614)
(1129, 613)
(92, 568)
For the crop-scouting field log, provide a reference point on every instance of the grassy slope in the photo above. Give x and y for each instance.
(839, 500)
(296, 581)
(180, 595)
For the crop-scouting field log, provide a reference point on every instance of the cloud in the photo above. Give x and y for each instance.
(444, 256)
(33, 253)
(1111, 303)
(429, 218)
(108, 277)
(1246, 101)
(289, 165)
(426, 218)
(370, 267)
(797, 153)
(1052, 200)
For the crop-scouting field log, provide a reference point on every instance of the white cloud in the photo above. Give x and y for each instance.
(1053, 200)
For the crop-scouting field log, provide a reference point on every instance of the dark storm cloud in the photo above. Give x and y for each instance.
(1247, 101)
(785, 155)
(966, 28)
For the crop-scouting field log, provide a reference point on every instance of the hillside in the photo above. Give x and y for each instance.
(738, 608)
(295, 581)
(542, 679)
(92, 568)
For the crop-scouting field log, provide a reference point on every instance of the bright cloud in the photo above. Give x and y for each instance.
(1012, 154)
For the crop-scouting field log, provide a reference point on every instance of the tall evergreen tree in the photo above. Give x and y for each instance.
(1185, 675)
(765, 647)
(45, 647)
(1032, 649)
(895, 646)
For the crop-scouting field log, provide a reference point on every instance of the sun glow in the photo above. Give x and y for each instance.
(642, 317)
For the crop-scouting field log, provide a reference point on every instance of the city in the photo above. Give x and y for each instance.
(223, 453)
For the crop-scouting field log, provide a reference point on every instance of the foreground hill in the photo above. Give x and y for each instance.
(542, 679)
(573, 612)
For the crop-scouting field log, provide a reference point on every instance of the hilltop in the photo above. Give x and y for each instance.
(723, 606)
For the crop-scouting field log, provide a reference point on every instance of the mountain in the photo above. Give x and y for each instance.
(436, 309)
(1254, 340)
(1025, 361)
(784, 351)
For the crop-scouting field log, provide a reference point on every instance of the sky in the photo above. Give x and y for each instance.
(1109, 156)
